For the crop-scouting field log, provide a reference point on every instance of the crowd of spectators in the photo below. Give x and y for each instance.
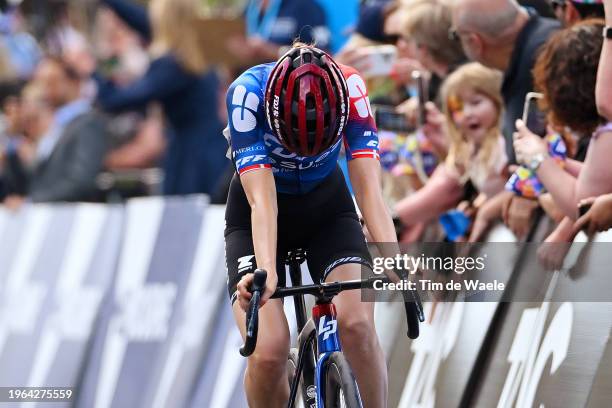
(132, 89)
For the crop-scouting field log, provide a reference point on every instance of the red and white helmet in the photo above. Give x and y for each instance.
(307, 101)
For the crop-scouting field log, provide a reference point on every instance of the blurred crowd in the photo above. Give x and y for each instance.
(488, 110)
(507, 120)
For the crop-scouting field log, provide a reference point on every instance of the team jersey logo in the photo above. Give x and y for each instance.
(357, 91)
(245, 108)
(244, 263)
(326, 329)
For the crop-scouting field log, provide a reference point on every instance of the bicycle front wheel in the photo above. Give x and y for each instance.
(340, 387)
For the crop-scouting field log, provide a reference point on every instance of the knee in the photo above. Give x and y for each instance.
(357, 332)
(269, 358)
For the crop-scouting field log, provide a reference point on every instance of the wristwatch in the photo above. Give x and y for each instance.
(536, 161)
(607, 32)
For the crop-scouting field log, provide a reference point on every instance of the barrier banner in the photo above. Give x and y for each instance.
(148, 349)
(548, 353)
(601, 392)
(434, 370)
(56, 262)
(221, 380)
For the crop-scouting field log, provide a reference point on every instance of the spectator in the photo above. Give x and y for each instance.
(30, 117)
(502, 35)
(604, 73)
(138, 140)
(599, 217)
(372, 23)
(70, 149)
(120, 49)
(570, 12)
(566, 73)
(273, 25)
(425, 27)
(472, 107)
(180, 80)
(499, 34)
(378, 24)
(11, 138)
(21, 48)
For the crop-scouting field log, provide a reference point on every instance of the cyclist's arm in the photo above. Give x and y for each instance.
(361, 147)
(366, 181)
(261, 193)
(244, 108)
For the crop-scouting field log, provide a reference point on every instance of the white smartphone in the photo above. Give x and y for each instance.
(533, 117)
(377, 61)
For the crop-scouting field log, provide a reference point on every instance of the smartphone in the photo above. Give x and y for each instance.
(377, 61)
(533, 117)
(422, 96)
(388, 119)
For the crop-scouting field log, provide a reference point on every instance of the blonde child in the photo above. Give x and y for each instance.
(472, 107)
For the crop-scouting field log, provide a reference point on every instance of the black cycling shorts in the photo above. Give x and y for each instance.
(323, 222)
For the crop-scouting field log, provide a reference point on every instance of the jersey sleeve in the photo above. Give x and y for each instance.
(244, 131)
(360, 134)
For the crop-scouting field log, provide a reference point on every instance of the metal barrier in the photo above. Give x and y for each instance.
(128, 305)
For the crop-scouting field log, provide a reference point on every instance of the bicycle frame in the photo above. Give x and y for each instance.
(324, 327)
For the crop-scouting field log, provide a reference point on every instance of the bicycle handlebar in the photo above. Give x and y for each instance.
(252, 317)
(412, 303)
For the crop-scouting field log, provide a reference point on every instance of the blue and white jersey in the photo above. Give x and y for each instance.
(253, 145)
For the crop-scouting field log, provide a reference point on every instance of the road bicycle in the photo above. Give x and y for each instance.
(319, 375)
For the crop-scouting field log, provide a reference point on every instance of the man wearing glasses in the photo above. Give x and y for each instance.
(503, 35)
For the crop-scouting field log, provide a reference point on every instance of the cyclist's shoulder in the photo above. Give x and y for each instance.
(254, 78)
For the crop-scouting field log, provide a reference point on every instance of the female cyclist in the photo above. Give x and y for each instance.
(287, 123)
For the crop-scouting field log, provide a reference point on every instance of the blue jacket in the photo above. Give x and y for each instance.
(195, 156)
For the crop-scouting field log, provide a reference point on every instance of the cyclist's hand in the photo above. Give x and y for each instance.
(244, 295)
(271, 283)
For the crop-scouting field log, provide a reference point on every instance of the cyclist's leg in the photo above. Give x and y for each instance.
(338, 252)
(265, 378)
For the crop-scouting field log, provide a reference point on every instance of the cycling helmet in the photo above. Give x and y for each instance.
(307, 101)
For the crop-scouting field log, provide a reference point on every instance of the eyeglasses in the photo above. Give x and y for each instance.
(455, 34)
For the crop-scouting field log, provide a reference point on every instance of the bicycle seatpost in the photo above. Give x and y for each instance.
(252, 316)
